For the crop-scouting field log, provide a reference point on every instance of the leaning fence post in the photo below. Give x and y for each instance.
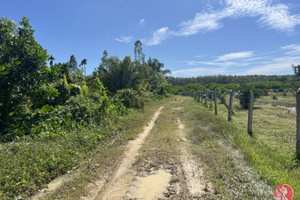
(250, 113)
(216, 104)
(230, 105)
(298, 124)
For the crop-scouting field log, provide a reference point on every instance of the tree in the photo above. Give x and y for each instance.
(24, 62)
(83, 63)
(73, 64)
(157, 66)
(104, 57)
(51, 59)
(117, 74)
(139, 56)
(296, 69)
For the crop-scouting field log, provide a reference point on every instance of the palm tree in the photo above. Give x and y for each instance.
(83, 63)
(51, 59)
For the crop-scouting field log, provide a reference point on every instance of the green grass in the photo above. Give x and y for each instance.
(225, 166)
(28, 165)
(271, 150)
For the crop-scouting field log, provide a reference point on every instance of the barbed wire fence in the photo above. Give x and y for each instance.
(213, 96)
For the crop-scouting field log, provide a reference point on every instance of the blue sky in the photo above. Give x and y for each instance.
(191, 37)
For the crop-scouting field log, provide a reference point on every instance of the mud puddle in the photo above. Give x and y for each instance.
(150, 187)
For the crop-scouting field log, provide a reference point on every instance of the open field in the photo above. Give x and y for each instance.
(272, 148)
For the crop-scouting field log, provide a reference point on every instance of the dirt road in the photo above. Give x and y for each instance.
(158, 164)
(175, 157)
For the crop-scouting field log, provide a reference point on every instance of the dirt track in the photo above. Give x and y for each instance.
(141, 176)
(174, 157)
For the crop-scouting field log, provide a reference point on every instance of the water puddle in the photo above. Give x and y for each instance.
(151, 187)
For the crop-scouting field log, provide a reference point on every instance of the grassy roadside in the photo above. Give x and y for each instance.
(272, 148)
(28, 165)
(225, 166)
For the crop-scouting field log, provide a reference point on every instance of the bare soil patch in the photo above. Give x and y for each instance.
(197, 185)
(121, 179)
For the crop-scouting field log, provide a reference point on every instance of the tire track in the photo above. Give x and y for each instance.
(119, 184)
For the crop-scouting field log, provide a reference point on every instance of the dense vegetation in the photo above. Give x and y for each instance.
(53, 116)
(40, 100)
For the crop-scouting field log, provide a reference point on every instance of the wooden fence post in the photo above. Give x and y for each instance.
(250, 113)
(216, 103)
(210, 103)
(230, 105)
(205, 103)
(298, 124)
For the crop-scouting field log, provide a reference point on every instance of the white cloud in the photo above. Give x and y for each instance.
(158, 36)
(279, 62)
(292, 49)
(269, 14)
(233, 56)
(272, 68)
(125, 39)
(142, 21)
(275, 16)
(201, 22)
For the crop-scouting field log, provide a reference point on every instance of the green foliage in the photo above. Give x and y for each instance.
(46, 94)
(130, 98)
(117, 75)
(63, 90)
(244, 95)
(73, 64)
(296, 69)
(24, 61)
(74, 89)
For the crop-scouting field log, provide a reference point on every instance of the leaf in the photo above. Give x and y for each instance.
(45, 108)
(2, 72)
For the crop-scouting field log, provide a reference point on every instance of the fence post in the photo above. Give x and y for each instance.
(230, 105)
(210, 103)
(298, 124)
(250, 113)
(205, 103)
(216, 103)
(201, 95)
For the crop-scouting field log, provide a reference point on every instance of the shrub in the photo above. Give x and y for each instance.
(245, 94)
(46, 94)
(64, 92)
(74, 89)
(130, 98)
